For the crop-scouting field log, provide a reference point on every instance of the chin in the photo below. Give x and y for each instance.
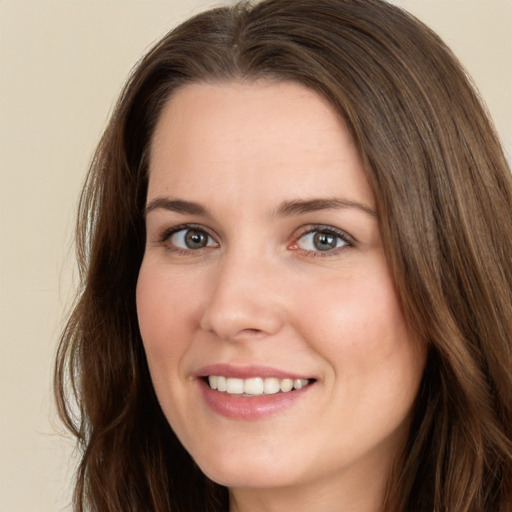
(246, 472)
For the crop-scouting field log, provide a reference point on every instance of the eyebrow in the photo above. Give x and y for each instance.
(176, 205)
(300, 207)
(285, 209)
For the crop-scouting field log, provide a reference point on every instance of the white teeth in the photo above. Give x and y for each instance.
(286, 385)
(234, 386)
(271, 386)
(299, 383)
(212, 380)
(222, 384)
(255, 385)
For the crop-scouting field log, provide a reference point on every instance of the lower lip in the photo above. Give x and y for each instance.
(250, 407)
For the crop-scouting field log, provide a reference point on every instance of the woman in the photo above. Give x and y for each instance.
(295, 243)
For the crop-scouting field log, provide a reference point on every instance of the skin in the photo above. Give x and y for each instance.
(261, 292)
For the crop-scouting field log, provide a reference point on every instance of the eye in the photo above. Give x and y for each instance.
(322, 240)
(191, 239)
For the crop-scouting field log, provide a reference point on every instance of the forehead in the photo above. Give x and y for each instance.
(247, 136)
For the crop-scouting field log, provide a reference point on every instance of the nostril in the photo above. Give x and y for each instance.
(249, 332)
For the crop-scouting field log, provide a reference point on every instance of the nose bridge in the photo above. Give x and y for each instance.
(243, 299)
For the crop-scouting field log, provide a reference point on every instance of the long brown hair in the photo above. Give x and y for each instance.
(444, 199)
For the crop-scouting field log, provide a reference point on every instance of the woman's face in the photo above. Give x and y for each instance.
(264, 269)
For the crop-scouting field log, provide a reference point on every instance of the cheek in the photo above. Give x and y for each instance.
(164, 315)
(163, 310)
(357, 324)
(376, 365)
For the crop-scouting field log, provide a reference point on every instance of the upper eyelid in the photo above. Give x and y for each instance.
(166, 233)
(311, 228)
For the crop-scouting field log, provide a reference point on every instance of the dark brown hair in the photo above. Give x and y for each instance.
(444, 199)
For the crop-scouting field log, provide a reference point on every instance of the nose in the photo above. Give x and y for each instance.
(244, 300)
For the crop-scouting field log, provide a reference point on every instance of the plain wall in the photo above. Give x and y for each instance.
(62, 64)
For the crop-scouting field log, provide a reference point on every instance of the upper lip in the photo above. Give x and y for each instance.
(247, 371)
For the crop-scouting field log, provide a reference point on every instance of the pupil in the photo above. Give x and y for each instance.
(195, 239)
(324, 241)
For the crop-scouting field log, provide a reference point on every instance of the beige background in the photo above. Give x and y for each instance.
(62, 64)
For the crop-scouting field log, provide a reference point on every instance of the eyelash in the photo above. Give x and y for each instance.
(347, 240)
(167, 234)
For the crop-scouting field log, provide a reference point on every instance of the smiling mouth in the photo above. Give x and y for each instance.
(255, 386)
